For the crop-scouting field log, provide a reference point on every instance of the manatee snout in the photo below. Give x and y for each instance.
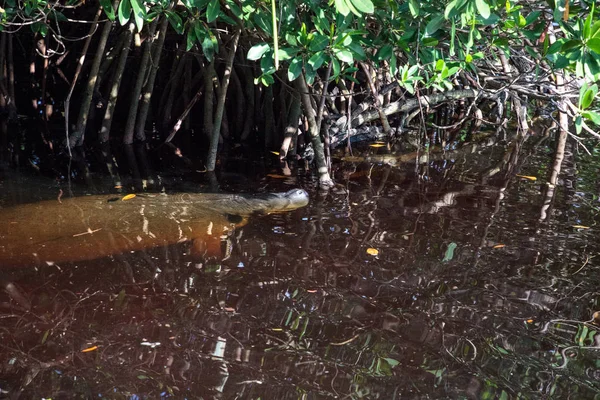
(297, 198)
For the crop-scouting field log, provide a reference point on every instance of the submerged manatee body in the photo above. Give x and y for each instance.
(86, 228)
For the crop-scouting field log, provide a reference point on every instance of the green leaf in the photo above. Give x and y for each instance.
(430, 42)
(335, 67)
(588, 97)
(357, 51)
(257, 51)
(108, 9)
(450, 8)
(287, 53)
(319, 42)
(341, 7)
(267, 63)
(595, 29)
(592, 116)
(434, 25)
(483, 8)
(175, 21)
(139, 13)
(344, 55)
(363, 6)
(384, 53)
(199, 31)
(414, 7)
(190, 39)
(213, 10)
(532, 17)
(555, 47)
(263, 20)
(124, 11)
(450, 252)
(571, 44)
(578, 124)
(208, 48)
(588, 23)
(317, 60)
(295, 69)
(594, 45)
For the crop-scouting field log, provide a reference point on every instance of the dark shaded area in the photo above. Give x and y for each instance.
(470, 295)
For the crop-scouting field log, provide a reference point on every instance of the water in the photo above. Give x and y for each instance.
(450, 279)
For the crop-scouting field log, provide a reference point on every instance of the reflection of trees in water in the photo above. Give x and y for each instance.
(299, 307)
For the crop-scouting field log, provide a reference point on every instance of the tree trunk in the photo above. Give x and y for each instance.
(114, 90)
(168, 105)
(291, 130)
(86, 98)
(238, 123)
(209, 90)
(187, 81)
(149, 87)
(384, 121)
(78, 136)
(315, 138)
(214, 140)
(139, 82)
(269, 129)
(249, 94)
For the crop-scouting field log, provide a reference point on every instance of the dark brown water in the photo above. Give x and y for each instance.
(450, 279)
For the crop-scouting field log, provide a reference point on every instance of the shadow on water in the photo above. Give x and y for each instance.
(446, 279)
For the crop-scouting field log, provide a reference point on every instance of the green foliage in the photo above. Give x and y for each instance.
(423, 44)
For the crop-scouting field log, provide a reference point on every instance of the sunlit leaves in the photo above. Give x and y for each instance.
(175, 21)
(108, 9)
(295, 69)
(587, 95)
(414, 7)
(257, 51)
(124, 11)
(344, 55)
(213, 10)
(483, 8)
(357, 7)
(139, 13)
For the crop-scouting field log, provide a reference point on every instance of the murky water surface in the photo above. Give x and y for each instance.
(451, 279)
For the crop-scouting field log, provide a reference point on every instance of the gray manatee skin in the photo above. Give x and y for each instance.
(91, 227)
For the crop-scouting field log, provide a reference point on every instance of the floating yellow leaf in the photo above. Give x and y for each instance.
(531, 178)
(276, 329)
(118, 187)
(89, 349)
(275, 152)
(376, 145)
(372, 251)
(499, 246)
(128, 197)
(277, 176)
(311, 290)
(581, 227)
(530, 321)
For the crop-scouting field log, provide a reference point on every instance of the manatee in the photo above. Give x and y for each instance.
(91, 227)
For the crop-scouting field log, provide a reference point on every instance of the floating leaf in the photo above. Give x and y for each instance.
(581, 227)
(128, 197)
(450, 252)
(372, 251)
(276, 176)
(499, 246)
(275, 152)
(89, 349)
(376, 145)
(531, 178)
